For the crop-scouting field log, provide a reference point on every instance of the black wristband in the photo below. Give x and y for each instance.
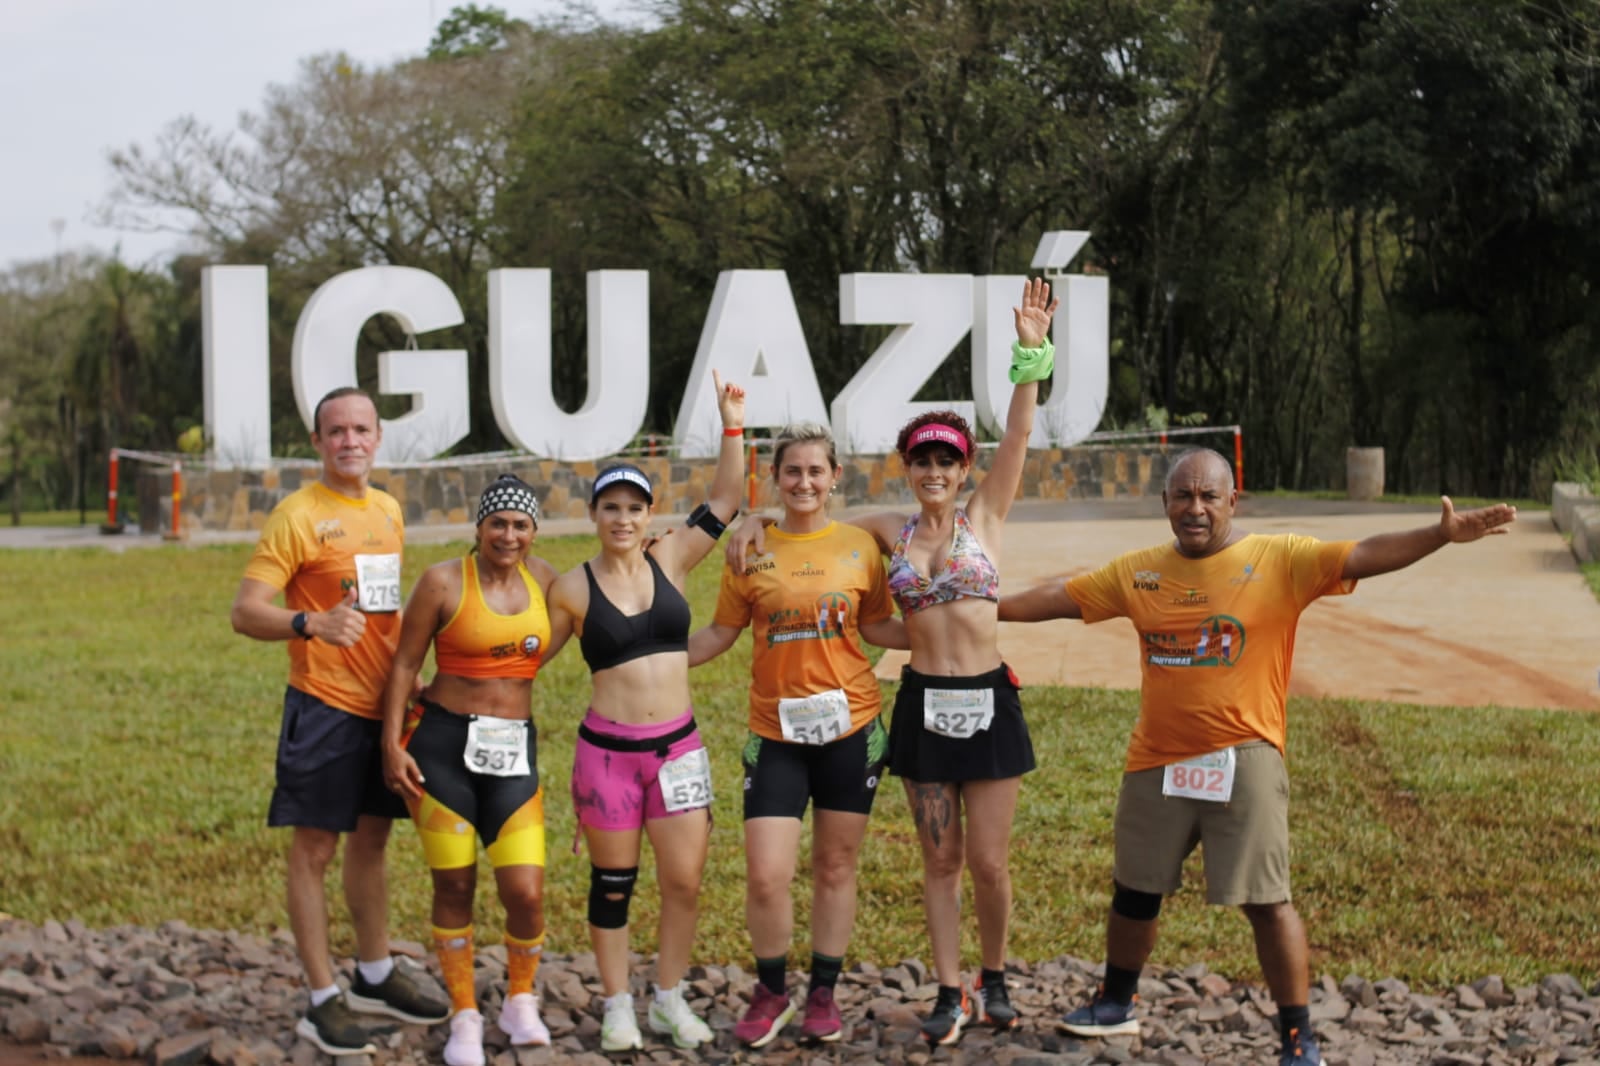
(703, 519)
(298, 624)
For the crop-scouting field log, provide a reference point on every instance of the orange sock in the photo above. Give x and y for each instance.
(522, 963)
(455, 959)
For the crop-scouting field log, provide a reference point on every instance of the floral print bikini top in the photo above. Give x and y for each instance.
(966, 572)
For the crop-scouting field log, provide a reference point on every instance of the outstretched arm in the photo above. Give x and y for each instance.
(1386, 552)
(993, 498)
(1047, 600)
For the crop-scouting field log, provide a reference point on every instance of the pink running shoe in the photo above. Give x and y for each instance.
(768, 1014)
(822, 1021)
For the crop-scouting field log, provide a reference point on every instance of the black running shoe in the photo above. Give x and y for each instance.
(332, 1027)
(994, 1003)
(951, 1012)
(398, 996)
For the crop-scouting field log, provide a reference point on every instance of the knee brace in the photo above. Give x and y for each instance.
(1139, 906)
(604, 911)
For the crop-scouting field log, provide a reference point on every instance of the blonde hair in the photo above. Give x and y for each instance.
(802, 433)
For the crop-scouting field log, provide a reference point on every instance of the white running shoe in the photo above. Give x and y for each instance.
(519, 1019)
(465, 1046)
(619, 1029)
(672, 1017)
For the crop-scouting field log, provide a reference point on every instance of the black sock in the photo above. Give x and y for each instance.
(773, 973)
(1121, 984)
(824, 971)
(987, 977)
(1291, 1019)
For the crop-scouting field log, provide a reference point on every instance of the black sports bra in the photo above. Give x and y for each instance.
(611, 638)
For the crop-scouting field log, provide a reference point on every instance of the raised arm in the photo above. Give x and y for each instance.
(1046, 600)
(677, 554)
(1383, 553)
(417, 627)
(1033, 359)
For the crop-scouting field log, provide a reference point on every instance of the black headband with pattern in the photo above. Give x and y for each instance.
(508, 494)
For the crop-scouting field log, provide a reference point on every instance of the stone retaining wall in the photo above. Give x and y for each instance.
(444, 493)
(1577, 513)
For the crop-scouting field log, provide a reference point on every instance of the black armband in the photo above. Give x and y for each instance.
(703, 519)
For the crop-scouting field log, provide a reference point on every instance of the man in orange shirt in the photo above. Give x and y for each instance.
(1216, 612)
(332, 549)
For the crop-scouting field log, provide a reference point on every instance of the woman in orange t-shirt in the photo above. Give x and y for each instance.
(815, 731)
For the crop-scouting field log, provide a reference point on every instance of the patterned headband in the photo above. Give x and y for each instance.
(508, 494)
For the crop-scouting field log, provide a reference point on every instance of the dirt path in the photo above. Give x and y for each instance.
(1508, 621)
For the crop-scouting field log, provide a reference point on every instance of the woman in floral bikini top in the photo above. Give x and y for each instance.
(967, 570)
(958, 739)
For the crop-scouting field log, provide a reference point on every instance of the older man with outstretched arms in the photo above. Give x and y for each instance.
(1215, 611)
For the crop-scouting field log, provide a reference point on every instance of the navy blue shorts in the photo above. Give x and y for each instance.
(330, 768)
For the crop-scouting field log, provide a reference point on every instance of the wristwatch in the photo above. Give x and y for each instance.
(299, 625)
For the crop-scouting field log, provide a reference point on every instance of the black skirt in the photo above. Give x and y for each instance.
(994, 754)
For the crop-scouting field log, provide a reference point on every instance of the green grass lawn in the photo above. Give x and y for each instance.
(1434, 844)
(92, 517)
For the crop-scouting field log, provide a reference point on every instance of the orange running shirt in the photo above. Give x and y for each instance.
(1216, 637)
(477, 642)
(804, 599)
(308, 549)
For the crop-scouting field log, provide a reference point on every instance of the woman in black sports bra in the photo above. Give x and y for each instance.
(640, 768)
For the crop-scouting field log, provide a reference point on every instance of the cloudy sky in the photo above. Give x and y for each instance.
(79, 77)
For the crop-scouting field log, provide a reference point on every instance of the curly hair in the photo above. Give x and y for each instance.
(944, 418)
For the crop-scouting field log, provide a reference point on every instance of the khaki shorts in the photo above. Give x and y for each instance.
(1246, 841)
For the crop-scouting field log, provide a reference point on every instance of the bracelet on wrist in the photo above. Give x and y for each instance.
(733, 431)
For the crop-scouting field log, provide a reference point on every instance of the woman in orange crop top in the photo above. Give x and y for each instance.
(958, 739)
(467, 754)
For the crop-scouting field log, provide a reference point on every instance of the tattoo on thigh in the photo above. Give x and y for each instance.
(931, 809)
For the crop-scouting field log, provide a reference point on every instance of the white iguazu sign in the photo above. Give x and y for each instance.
(751, 336)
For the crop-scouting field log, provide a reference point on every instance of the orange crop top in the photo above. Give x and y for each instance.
(477, 642)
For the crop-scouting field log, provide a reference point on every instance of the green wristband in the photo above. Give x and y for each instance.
(1032, 364)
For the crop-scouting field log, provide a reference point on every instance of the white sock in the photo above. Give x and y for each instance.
(319, 996)
(664, 994)
(376, 973)
(621, 999)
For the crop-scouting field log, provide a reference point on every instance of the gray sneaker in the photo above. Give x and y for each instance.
(1102, 1017)
(399, 996)
(333, 1028)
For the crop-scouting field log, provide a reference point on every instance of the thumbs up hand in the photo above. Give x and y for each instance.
(341, 626)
